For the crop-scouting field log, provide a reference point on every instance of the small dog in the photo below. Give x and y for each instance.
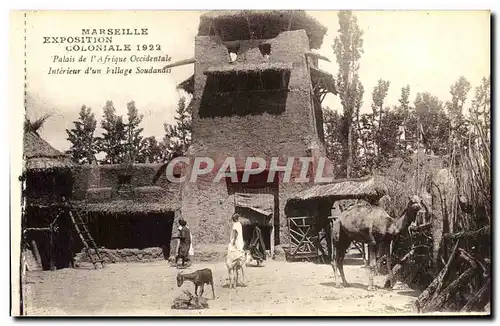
(199, 279)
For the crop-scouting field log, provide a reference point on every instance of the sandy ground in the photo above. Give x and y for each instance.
(278, 288)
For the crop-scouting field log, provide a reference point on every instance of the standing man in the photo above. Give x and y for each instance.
(184, 243)
(236, 239)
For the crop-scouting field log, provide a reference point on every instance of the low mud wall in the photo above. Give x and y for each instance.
(203, 253)
(125, 255)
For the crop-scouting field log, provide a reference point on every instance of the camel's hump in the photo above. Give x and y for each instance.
(364, 209)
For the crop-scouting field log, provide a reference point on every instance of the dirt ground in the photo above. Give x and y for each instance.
(276, 289)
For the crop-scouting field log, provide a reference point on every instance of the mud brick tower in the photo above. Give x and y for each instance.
(257, 92)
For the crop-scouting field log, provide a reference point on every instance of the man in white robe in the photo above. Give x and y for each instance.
(236, 240)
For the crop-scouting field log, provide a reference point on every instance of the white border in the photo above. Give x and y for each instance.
(186, 5)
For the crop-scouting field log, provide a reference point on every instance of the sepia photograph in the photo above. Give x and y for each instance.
(251, 163)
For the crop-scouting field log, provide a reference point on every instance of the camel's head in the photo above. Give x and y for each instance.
(180, 279)
(414, 203)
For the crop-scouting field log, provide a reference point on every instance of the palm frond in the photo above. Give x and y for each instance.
(35, 125)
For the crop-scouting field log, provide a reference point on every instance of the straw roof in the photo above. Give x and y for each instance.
(362, 188)
(324, 79)
(261, 24)
(128, 207)
(248, 67)
(261, 221)
(260, 203)
(40, 155)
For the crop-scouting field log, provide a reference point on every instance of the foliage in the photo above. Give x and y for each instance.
(429, 111)
(120, 139)
(134, 138)
(150, 151)
(177, 137)
(112, 141)
(83, 143)
(473, 170)
(348, 47)
(333, 123)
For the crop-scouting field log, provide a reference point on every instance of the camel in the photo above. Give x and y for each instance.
(370, 224)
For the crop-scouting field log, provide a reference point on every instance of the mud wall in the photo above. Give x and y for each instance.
(207, 207)
(265, 134)
(106, 176)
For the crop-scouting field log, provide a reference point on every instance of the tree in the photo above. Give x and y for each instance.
(434, 122)
(458, 124)
(178, 137)
(458, 92)
(113, 139)
(150, 151)
(83, 143)
(134, 138)
(367, 156)
(481, 105)
(388, 141)
(357, 168)
(404, 100)
(378, 97)
(333, 123)
(348, 47)
(409, 123)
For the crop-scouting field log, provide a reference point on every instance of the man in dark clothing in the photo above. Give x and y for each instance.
(184, 243)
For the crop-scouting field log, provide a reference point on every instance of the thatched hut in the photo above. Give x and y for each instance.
(47, 177)
(308, 212)
(125, 209)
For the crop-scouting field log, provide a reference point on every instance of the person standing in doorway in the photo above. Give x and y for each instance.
(257, 247)
(184, 243)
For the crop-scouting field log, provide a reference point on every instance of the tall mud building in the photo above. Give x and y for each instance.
(257, 92)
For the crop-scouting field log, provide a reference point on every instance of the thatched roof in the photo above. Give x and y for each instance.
(363, 188)
(260, 203)
(234, 25)
(187, 85)
(128, 207)
(324, 79)
(248, 67)
(40, 155)
(128, 166)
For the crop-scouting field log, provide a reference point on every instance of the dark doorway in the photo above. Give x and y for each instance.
(258, 184)
(135, 231)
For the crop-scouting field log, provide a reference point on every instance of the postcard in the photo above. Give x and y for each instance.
(250, 163)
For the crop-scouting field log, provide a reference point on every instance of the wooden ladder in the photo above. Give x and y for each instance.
(88, 242)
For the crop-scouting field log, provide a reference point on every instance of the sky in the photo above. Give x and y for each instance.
(428, 51)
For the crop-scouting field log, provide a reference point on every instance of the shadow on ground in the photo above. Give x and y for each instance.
(350, 285)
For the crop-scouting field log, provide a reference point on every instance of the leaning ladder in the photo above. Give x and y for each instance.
(88, 242)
